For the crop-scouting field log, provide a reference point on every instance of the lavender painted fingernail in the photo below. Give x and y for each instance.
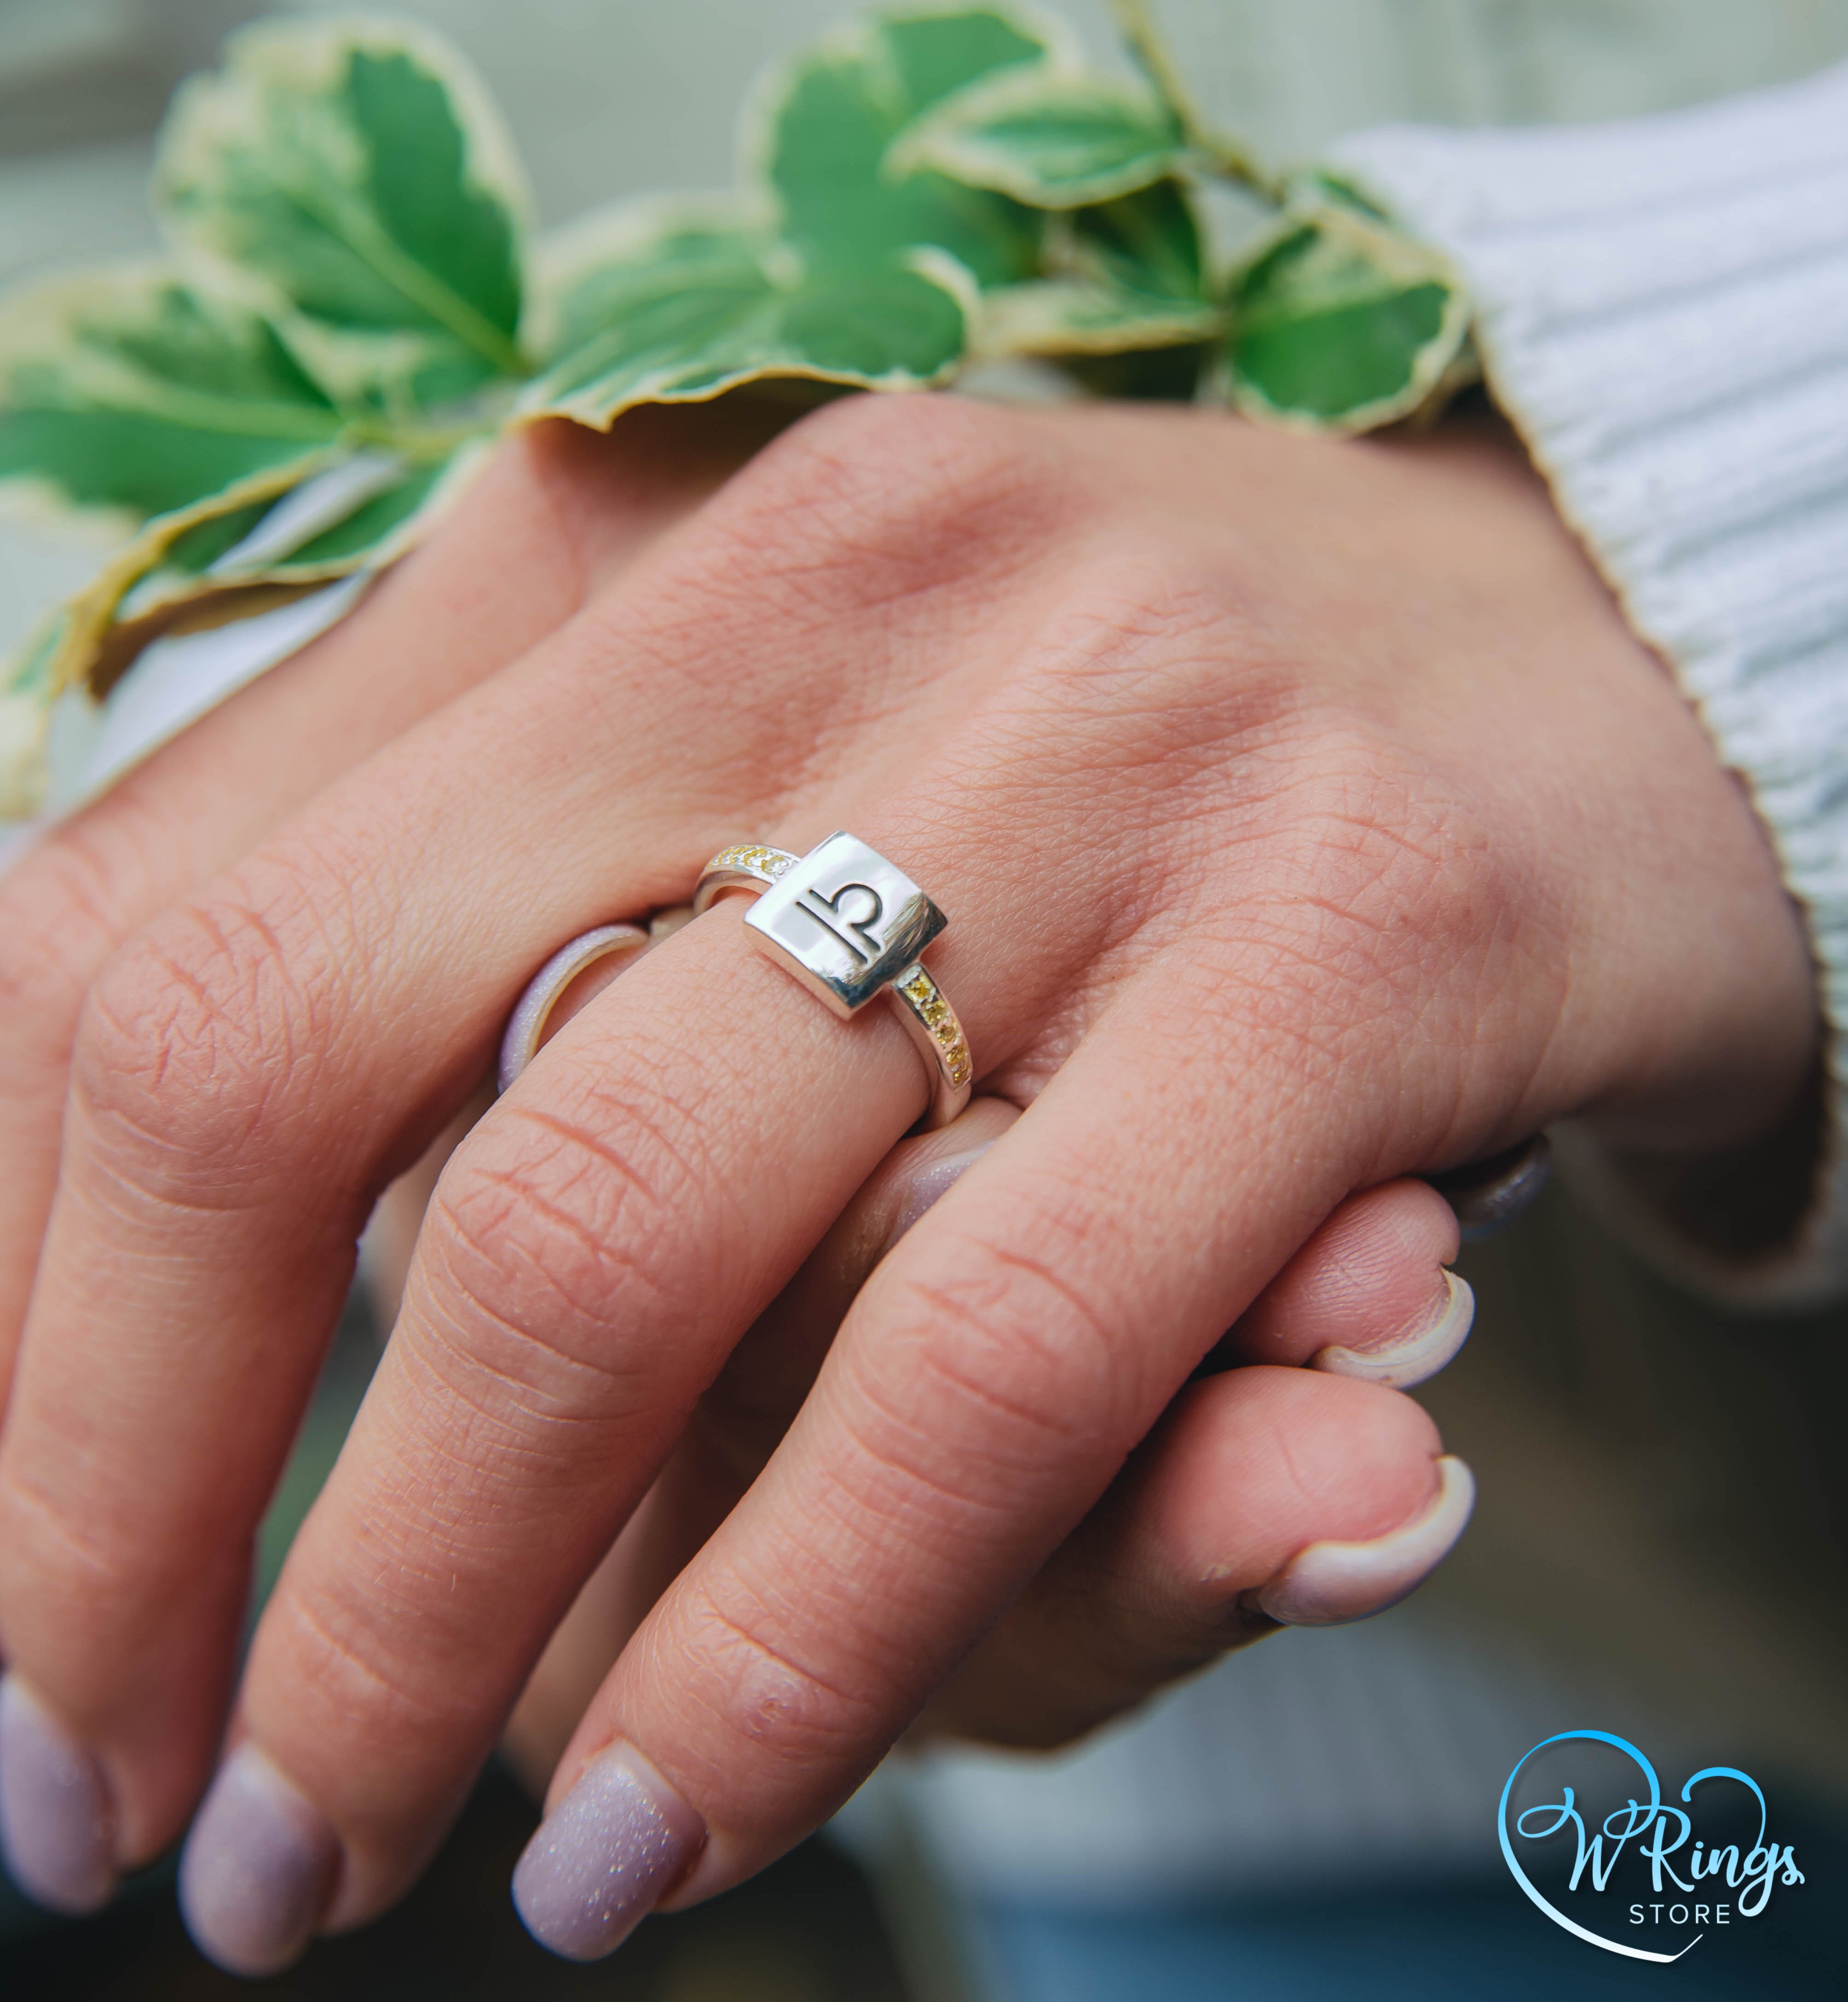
(1411, 1357)
(259, 1868)
(930, 1185)
(1329, 1583)
(600, 1861)
(55, 1823)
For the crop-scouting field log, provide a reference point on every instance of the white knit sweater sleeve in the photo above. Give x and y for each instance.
(1663, 309)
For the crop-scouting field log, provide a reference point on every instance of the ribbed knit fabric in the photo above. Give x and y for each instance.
(1664, 315)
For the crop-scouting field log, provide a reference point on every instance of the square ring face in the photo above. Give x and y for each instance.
(845, 921)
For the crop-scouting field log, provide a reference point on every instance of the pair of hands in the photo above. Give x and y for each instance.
(1306, 816)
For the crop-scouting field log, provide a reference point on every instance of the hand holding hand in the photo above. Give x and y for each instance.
(1306, 816)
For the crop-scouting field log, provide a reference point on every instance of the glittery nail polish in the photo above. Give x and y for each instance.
(603, 1858)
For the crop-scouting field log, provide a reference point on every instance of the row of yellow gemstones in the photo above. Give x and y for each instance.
(939, 1018)
(749, 855)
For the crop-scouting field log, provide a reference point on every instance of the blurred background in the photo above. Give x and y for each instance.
(1659, 1548)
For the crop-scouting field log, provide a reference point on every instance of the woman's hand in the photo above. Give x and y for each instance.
(1305, 814)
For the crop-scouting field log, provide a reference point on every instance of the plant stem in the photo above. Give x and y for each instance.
(1136, 24)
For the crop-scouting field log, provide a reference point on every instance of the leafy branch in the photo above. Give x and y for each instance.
(351, 311)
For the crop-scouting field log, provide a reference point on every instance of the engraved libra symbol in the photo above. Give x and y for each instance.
(855, 933)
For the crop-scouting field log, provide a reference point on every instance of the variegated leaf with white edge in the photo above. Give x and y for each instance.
(212, 567)
(354, 176)
(25, 709)
(680, 303)
(1148, 242)
(126, 391)
(1072, 316)
(1341, 323)
(1049, 137)
(823, 130)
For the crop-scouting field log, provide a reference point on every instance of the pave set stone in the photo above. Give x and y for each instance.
(770, 862)
(938, 1017)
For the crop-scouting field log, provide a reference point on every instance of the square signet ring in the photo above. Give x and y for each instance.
(851, 925)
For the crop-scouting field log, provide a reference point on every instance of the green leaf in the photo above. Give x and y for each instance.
(349, 516)
(125, 390)
(1147, 242)
(25, 713)
(88, 617)
(1125, 308)
(269, 538)
(826, 124)
(1342, 324)
(1051, 138)
(354, 174)
(676, 303)
(1062, 316)
(649, 268)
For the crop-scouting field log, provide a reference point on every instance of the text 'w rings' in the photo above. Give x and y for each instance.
(850, 925)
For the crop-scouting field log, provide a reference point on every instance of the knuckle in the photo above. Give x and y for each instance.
(366, 1674)
(1393, 872)
(877, 497)
(549, 1239)
(754, 1683)
(1142, 633)
(1374, 923)
(199, 1043)
(976, 1344)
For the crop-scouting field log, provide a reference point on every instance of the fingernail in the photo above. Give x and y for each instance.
(258, 1870)
(929, 1185)
(1488, 1195)
(55, 1824)
(1329, 1583)
(603, 1857)
(1409, 1358)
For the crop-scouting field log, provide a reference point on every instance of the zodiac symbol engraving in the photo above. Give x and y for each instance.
(855, 933)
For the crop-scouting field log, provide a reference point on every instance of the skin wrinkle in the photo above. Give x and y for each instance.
(752, 574)
(441, 1331)
(901, 491)
(684, 1149)
(767, 1709)
(561, 1514)
(483, 1195)
(428, 1538)
(427, 1543)
(97, 1561)
(400, 1706)
(889, 1486)
(153, 1014)
(843, 1579)
(909, 1446)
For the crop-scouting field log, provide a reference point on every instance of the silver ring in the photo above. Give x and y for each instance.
(526, 1025)
(850, 925)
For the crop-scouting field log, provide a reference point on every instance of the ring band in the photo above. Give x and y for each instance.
(849, 924)
(526, 1025)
